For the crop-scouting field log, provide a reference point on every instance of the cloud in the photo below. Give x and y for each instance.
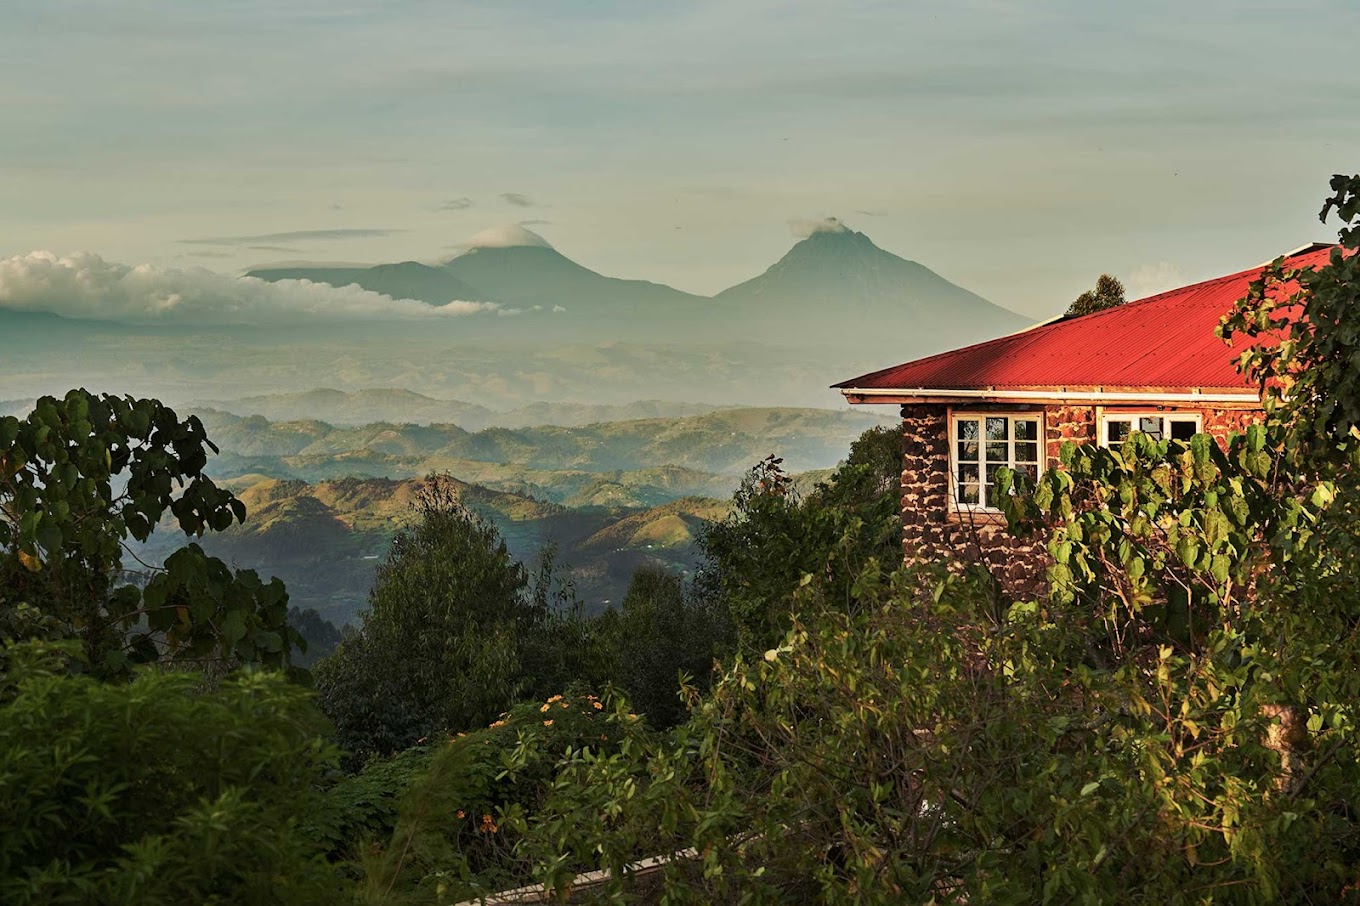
(803, 227)
(295, 236)
(506, 237)
(516, 199)
(873, 213)
(1150, 279)
(273, 248)
(84, 285)
(525, 223)
(456, 204)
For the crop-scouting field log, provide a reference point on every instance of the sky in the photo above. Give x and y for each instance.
(1018, 148)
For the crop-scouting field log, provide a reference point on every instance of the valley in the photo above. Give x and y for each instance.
(608, 498)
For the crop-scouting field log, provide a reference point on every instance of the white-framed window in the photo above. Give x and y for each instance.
(981, 443)
(1115, 427)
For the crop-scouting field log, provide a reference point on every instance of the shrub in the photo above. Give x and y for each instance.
(458, 825)
(150, 792)
(455, 633)
(661, 632)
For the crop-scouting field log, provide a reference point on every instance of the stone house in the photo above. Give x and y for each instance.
(1152, 365)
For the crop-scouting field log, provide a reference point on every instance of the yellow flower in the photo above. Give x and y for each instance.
(547, 723)
(598, 706)
(561, 704)
(555, 698)
(544, 708)
(461, 814)
(499, 723)
(489, 826)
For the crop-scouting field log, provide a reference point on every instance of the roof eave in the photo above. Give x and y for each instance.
(909, 395)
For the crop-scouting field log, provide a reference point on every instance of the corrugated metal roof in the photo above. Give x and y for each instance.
(1165, 342)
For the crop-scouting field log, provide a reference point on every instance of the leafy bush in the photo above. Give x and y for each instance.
(81, 475)
(775, 541)
(454, 634)
(151, 792)
(660, 632)
(458, 824)
(360, 810)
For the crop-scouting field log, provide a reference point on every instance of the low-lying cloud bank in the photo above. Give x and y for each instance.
(84, 285)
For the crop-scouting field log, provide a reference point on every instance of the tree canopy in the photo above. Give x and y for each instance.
(79, 477)
(1108, 293)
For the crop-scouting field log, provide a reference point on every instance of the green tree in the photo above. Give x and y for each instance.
(319, 634)
(154, 792)
(1108, 293)
(776, 540)
(78, 478)
(661, 632)
(454, 634)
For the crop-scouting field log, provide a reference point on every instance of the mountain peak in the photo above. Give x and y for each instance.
(807, 227)
(825, 233)
(837, 277)
(509, 236)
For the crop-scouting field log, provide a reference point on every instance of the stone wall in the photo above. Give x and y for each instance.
(931, 531)
(1221, 423)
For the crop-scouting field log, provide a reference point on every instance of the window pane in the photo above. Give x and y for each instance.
(1117, 430)
(968, 429)
(1026, 429)
(1182, 429)
(991, 472)
(998, 452)
(1026, 451)
(968, 450)
(998, 428)
(1032, 471)
(968, 474)
(968, 493)
(1151, 425)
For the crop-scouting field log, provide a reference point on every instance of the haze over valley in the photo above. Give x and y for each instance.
(604, 418)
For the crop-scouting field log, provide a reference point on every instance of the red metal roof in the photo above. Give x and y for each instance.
(1165, 342)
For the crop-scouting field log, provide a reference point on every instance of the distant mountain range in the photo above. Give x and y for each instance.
(835, 305)
(835, 287)
(404, 280)
(724, 442)
(362, 407)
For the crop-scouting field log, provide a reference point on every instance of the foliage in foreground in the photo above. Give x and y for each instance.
(775, 538)
(662, 632)
(152, 792)
(455, 634)
(459, 824)
(81, 475)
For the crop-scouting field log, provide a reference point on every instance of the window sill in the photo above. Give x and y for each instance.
(964, 516)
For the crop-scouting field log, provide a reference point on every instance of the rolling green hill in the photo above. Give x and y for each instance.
(325, 540)
(723, 442)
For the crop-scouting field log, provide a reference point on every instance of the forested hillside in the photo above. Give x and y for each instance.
(326, 540)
